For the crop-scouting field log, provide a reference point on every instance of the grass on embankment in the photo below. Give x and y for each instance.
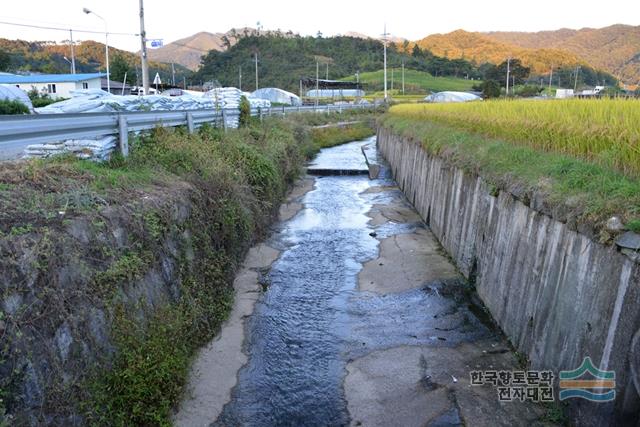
(235, 181)
(330, 136)
(589, 192)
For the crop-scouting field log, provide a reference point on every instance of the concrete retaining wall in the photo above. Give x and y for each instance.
(558, 295)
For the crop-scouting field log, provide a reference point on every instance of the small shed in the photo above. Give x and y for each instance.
(117, 88)
(322, 88)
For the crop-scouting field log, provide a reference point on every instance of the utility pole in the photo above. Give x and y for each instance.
(550, 79)
(327, 75)
(392, 69)
(317, 81)
(508, 70)
(240, 77)
(173, 74)
(403, 76)
(575, 84)
(73, 54)
(256, 70)
(384, 42)
(143, 52)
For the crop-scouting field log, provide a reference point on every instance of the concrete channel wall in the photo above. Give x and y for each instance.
(558, 295)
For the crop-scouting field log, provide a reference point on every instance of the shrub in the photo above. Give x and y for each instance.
(245, 111)
(490, 89)
(13, 107)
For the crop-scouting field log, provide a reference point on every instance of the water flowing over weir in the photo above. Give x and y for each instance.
(362, 320)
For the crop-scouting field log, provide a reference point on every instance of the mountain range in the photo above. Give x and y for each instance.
(614, 49)
(189, 50)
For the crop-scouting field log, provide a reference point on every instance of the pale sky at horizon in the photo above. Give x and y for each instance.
(416, 20)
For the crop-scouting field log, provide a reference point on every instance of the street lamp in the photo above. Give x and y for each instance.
(106, 45)
(70, 63)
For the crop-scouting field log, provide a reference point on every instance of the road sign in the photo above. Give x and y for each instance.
(156, 80)
(156, 43)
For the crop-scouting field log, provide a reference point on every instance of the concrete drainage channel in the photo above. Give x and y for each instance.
(351, 314)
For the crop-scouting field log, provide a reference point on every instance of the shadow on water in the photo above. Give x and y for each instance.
(312, 319)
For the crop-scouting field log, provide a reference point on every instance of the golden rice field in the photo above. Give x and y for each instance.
(602, 131)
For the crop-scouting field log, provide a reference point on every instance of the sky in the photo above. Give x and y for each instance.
(172, 20)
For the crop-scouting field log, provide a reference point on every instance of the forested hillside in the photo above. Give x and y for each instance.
(48, 57)
(282, 60)
(615, 49)
(479, 48)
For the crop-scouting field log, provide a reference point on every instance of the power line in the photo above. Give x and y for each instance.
(43, 27)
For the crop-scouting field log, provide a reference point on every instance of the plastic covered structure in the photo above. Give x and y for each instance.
(277, 96)
(13, 93)
(449, 96)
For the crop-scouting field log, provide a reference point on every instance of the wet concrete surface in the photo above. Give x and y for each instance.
(362, 319)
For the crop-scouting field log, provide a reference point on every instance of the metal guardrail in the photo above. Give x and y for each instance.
(17, 132)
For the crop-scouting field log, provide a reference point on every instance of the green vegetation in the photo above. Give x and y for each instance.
(415, 81)
(335, 135)
(122, 68)
(245, 111)
(13, 107)
(603, 132)
(588, 192)
(41, 99)
(284, 58)
(239, 179)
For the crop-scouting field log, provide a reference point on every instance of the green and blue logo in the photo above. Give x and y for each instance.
(599, 386)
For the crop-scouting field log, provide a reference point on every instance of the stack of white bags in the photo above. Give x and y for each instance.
(98, 101)
(94, 149)
(227, 98)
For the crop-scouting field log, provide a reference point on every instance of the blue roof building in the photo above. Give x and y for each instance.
(54, 85)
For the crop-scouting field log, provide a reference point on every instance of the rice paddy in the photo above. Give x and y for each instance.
(582, 156)
(605, 132)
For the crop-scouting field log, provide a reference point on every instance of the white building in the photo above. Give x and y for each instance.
(564, 93)
(54, 85)
(335, 93)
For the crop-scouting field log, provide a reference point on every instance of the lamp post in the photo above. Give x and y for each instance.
(106, 44)
(70, 64)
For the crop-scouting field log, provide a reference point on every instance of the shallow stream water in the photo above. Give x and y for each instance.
(312, 319)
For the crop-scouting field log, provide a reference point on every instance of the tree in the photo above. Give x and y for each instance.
(119, 67)
(490, 89)
(416, 52)
(5, 61)
(518, 73)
